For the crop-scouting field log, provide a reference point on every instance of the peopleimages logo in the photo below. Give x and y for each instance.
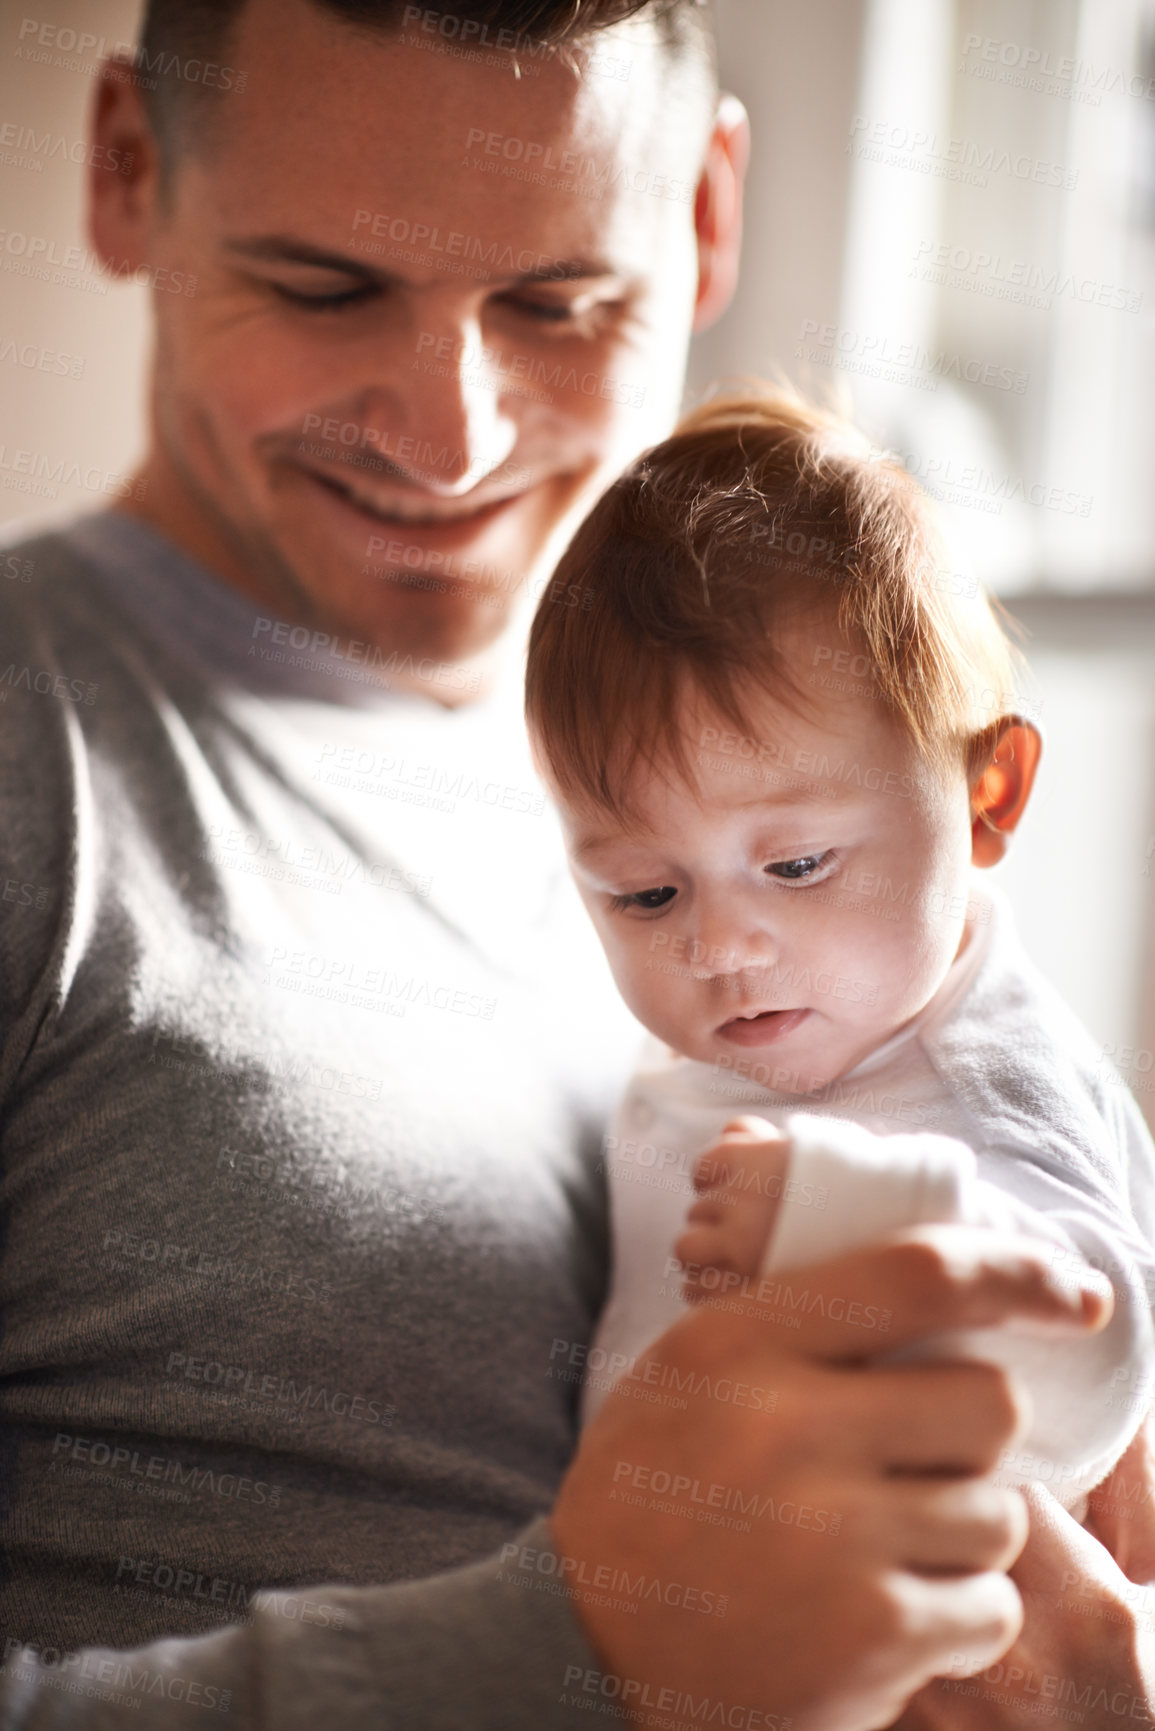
(24, 147)
(1034, 68)
(452, 27)
(866, 351)
(601, 1691)
(92, 1458)
(34, 357)
(351, 658)
(1001, 277)
(97, 1674)
(528, 1561)
(239, 1381)
(47, 44)
(963, 159)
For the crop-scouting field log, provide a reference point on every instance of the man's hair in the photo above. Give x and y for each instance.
(759, 511)
(173, 32)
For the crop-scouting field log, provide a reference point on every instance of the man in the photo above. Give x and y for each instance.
(302, 1063)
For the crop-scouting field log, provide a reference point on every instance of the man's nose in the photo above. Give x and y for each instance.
(448, 421)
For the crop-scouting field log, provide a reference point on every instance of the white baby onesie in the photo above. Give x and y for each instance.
(992, 1107)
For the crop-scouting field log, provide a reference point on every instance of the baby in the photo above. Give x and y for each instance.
(781, 737)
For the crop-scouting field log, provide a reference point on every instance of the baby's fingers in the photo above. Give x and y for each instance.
(716, 1165)
(735, 1247)
(702, 1248)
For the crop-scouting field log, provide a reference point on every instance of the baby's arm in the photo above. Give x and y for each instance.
(771, 1198)
(770, 1201)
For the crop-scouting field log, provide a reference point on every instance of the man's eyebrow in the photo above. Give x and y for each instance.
(287, 249)
(284, 249)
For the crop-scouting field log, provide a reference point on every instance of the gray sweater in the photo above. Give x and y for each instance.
(305, 1051)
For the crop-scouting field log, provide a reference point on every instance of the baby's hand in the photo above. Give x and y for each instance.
(740, 1179)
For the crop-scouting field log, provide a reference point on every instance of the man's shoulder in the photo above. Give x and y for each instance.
(31, 551)
(59, 628)
(48, 580)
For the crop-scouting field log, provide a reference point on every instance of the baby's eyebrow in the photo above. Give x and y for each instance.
(815, 791)
(597, 844)
(799, 799)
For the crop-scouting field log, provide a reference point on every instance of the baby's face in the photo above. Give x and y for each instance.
(797, 902)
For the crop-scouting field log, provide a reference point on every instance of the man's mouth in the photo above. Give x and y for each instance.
(400, 511)
(761, 1027)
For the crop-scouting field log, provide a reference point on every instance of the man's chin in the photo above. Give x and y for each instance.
(416, 615)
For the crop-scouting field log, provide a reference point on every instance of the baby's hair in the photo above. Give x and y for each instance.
(759, 510)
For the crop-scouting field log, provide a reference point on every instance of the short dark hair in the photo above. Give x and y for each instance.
(173, 32)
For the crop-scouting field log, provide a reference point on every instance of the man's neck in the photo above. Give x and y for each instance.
(159, 499)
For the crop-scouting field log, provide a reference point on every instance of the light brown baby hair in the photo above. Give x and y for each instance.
(760, 509)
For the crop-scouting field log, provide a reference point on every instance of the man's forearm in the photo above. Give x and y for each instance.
(484, 1648)
(835, 1632)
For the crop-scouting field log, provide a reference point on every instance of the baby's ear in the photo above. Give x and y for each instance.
(1000, 795)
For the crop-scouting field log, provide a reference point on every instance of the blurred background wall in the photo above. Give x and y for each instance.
(952, 224)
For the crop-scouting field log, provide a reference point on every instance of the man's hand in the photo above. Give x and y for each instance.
(761, 1519)
(1121, 1511)
(1088, 1639)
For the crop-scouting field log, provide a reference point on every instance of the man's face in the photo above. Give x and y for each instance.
(437, 307)
(797, 901)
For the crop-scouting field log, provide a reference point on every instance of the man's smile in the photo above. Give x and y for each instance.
(410, 512)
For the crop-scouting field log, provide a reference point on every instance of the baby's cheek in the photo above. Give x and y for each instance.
(914, 963)
(868, 966)
(641, 983)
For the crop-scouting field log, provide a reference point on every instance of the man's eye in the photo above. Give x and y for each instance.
(584, 317)
(647, 900)
(798, 870)
(329, 299)
(552, 312)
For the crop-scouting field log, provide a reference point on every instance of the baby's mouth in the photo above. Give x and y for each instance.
(761, 1027)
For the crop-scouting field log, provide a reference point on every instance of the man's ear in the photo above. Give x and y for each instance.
(718, 210)
(1000, 795)
(123, 181)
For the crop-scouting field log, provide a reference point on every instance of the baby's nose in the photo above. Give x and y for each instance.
(732, 955)
(730, 935)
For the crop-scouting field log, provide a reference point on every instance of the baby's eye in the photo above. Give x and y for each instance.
(798, 870)
(647, 900)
